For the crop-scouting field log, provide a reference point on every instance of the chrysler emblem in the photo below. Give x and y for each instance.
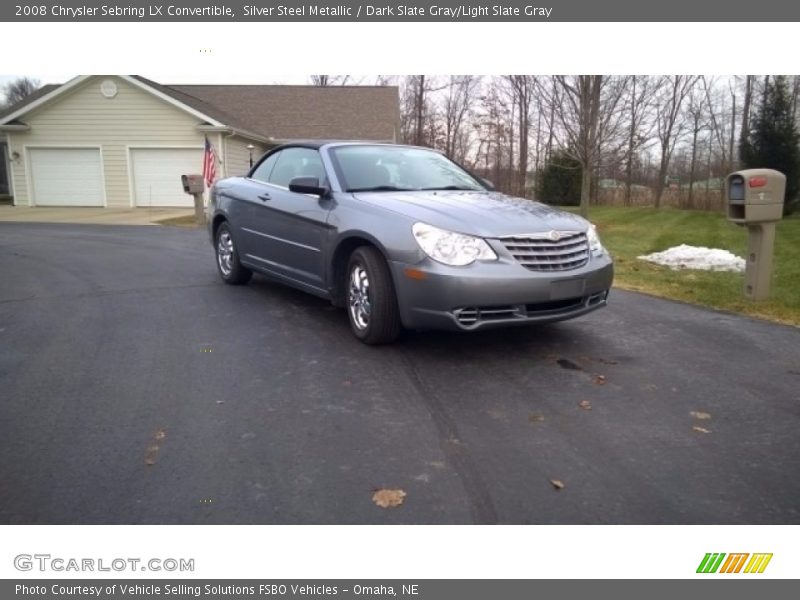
(554, 236)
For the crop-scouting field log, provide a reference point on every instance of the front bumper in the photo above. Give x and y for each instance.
(496, 294)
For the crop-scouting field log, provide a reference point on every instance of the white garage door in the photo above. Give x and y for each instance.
(66, 176)
(157, 175)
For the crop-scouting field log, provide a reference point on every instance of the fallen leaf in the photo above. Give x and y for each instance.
(559, 485)
(701, 429)
(388, 498)
(699, 415)
(600, 379)
(585, 405)
(565, 363)
(151, 454)
(220, 401)
(347, 383)
(536, 418)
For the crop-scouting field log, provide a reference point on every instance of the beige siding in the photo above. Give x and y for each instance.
(237, 156)
(84, 117)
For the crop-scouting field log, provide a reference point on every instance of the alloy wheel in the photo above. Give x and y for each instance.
(358, 297)
(225, 253)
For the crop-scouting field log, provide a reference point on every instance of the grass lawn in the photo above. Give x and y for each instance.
(631, 232)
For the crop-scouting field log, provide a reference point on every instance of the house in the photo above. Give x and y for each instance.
(124, 141)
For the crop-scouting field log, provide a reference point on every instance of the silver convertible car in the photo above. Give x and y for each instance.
(403, 237)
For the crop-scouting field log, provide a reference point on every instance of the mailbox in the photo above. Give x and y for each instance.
(193, 184)
(755, 199)
(755, 196)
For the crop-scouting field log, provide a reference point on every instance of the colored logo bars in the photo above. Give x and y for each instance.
(733, 563)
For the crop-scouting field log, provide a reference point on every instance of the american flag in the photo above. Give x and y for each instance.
(209, 164)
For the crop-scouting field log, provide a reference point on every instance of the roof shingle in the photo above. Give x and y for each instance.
(303, 111)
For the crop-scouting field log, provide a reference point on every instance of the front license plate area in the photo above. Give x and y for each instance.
(568, 288)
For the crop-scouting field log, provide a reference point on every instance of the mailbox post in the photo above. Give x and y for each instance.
(755, 199)
(194, 186)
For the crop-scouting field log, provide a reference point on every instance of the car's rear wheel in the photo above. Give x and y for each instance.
(371, 299)
(228, 265)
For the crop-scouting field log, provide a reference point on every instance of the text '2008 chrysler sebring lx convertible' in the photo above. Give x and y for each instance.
(404, 237)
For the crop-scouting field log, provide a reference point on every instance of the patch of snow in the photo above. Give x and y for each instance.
(694, 257)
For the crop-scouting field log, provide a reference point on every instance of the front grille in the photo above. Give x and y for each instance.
(540, 252)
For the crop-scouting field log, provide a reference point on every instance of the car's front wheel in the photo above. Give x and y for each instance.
(371, 299)
(228, 265)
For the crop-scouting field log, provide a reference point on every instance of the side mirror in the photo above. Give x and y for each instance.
(307, 185)
(487, 183)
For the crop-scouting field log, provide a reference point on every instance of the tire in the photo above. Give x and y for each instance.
(370, 298)
(228, 265)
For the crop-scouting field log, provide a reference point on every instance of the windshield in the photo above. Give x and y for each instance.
(392, 168)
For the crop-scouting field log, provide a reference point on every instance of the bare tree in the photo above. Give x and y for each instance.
(587, 108)
(669, 127)
(746, 108)
(696, 112)
(522, 92)
(494, 131)
(19, 89)
(419, 92)
(716, 101)
(462, 91)
(641, 91)
(329, 80)
(384, 80)
(417, 109)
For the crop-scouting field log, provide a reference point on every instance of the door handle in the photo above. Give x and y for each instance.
(265, 197)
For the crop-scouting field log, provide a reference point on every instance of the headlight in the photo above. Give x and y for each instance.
(595, 246)
(450, 248)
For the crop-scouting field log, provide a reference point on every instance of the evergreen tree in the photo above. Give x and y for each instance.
(559, 182)
(773, 141)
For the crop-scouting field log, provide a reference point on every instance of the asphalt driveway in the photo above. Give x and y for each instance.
(136, 388)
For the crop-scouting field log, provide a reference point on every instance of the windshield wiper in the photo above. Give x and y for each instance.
(379, 188)
(444, 188)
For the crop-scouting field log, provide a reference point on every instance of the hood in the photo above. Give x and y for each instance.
(484, 214)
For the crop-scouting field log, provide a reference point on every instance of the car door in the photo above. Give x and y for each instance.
(286, 231)
(244, 210)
